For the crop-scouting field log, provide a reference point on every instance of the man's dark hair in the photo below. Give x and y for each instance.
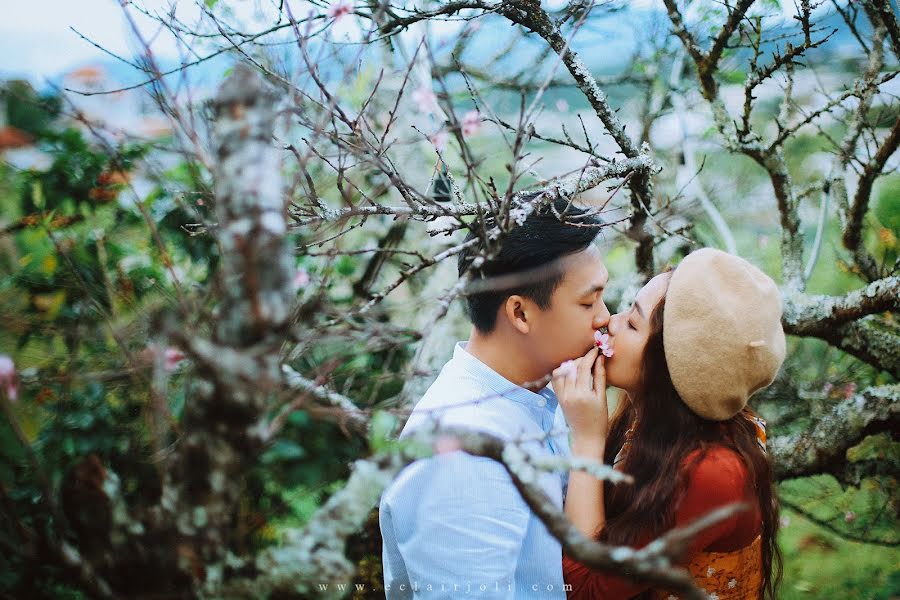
(540, 241)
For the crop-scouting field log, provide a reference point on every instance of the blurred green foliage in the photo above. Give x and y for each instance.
(81, 274)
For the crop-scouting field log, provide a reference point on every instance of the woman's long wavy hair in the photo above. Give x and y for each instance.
(664, 433)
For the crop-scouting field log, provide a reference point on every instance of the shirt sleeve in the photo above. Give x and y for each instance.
(716, 480)
(459, 522)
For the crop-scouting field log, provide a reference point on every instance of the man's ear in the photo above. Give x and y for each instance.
(517, 311)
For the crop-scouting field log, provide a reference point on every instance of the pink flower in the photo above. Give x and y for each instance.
(9, 379)
(849, 516)
(173, 356)
(340, 9)
(170, 356)
(849, 390)
(439, 140)
(301, 279)
(601, 340)
(425, 100)
(446, 444)
(562, 105)
(826, 389)
(471, 123)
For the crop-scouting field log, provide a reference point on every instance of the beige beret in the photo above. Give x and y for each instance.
(722, 332)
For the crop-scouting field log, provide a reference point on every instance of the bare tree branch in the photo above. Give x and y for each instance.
(809, 313)
(822, 448)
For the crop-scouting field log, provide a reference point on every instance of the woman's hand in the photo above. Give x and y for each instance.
(580, 386)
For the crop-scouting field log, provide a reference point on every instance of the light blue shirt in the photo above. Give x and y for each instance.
(454, 525)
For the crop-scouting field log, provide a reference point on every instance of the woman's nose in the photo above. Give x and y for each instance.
(614, 322)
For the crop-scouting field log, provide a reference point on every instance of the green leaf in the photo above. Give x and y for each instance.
(381, 429)
(300, 418)
(283, 451)
(345, 266)
(875, 447)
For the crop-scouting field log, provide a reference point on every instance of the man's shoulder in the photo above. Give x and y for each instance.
(460, 399)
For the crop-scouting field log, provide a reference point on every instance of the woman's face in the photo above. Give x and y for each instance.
(628, 333)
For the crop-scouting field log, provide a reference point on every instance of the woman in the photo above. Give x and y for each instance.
(688, 354)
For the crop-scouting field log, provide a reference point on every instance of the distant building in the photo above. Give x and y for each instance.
(100, 98)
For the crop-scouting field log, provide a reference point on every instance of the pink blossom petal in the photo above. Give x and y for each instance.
(849, 516)
(173, 356)
(471, 123)
(301, 279)
(601, 340)
(439, 140)
(425, 100)
(562, 105)
(340, 9)
(9, 379)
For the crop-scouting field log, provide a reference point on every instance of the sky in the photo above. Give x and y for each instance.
(37, 43)
(36, 40)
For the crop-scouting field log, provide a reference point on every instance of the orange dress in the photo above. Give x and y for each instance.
(733, 575)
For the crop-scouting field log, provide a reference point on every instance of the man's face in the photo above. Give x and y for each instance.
(565, 329)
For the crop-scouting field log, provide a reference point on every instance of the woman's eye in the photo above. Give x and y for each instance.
(630, 326)
(588, 305)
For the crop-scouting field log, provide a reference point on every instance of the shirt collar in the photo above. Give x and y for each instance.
(545, 399)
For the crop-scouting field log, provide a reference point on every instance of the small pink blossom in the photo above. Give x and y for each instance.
(601, 340)
(340, 9)
(301, 279)
(471, 123)
(9, 379)
(562, 105)
(200, 202)
(849, 516)
(425, 100)
(173, 356)
(439, 140)
(849, 390)
(446, 444)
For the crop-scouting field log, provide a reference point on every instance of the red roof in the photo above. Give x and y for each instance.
(11, 137)
(87, 73)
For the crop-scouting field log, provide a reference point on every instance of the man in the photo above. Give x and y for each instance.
(455, 525)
